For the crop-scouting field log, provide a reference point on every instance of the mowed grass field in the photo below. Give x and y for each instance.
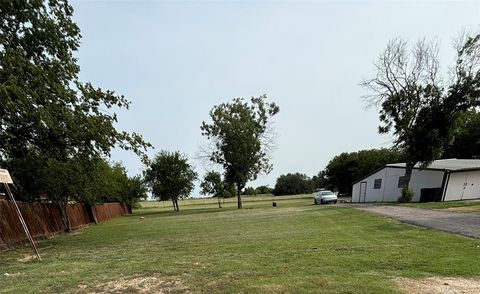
(297, 247)
(459, 206)
(229, 202)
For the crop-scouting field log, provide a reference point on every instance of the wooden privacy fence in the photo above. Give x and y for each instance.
(44, 219)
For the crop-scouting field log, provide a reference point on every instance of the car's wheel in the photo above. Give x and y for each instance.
(335, 201)
(315, 201)
(321, 201)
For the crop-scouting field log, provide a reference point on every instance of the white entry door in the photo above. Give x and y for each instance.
(363, 192)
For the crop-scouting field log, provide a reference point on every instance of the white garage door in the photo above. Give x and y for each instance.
(463, 185)
(472, 185)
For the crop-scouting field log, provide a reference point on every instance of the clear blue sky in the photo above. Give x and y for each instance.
(176, 60)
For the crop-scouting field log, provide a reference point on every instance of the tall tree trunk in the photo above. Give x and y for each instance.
(239, 198)
(176, 203)
(408, 173)
(92, 213)
(219, 204)
(174, 206)
(129, 208)
(65, 218)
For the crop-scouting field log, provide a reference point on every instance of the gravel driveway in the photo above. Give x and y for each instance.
(467, 224)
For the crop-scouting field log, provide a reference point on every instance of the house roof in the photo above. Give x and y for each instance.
(451, 164)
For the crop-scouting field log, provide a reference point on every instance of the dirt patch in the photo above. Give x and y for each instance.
(140, 284)
(471, 209)
(439, 285)
(27, 258)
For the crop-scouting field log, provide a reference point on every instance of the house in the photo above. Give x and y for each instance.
(442, 180)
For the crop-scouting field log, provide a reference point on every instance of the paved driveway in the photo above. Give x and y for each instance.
(467, 224)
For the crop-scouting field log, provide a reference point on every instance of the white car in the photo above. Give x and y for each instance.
(324, 197)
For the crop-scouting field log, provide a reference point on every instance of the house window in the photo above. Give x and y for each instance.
(401, 181)
(377, 184)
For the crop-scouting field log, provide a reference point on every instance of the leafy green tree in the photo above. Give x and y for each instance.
(467, 140)
(26, 172)
(95, 182)
(135, 191)
(44, 105)
(88, 181)
(241, 139)
(415, 106)
(109, 182)
(212, 184)
(319, 180)
(293, 184)
(345, 168)
(61, 182)
(47, 115)
(229, 190)
(170, 177)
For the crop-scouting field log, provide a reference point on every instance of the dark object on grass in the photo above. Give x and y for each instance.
(274, 204)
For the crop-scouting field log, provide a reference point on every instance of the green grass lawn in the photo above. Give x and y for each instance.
(225, 201)
(469, 205)
(295, 248)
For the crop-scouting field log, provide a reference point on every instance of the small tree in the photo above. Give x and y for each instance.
(135, 191)
(415, 105)
(242, 138)
(212, 184)
(170, 177)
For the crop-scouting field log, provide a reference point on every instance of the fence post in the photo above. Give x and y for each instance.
(22, 221)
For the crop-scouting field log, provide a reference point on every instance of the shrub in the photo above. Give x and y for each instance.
(407, 195)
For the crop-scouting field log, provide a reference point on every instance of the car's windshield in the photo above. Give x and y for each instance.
(327, 193)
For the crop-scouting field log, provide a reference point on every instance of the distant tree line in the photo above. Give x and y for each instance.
(260, 190)
(291, 184)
